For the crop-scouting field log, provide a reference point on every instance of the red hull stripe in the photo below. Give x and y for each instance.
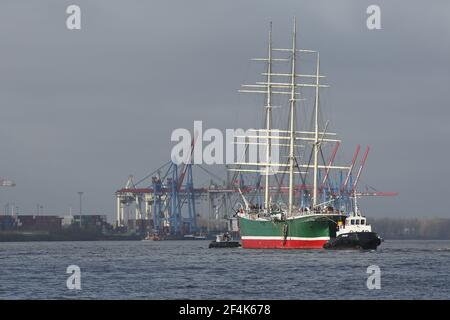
(280, 244)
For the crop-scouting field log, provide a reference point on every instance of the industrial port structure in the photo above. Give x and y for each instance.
(166, 203)
(169, 203)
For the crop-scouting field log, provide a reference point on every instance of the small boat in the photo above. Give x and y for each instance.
(196, 236)
(224, 241)
(153, 237)
(354, 234)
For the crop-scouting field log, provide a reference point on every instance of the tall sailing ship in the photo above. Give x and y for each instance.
(311, 208)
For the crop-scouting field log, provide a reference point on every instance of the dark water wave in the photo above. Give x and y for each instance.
(188, 269)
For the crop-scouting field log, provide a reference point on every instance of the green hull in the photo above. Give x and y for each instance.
(302, 232)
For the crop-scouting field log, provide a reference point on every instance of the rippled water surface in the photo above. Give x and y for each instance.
(188, 269)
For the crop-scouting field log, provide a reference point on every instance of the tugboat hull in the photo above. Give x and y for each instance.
(354, 240)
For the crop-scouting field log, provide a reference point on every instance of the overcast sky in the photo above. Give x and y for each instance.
(81, 110)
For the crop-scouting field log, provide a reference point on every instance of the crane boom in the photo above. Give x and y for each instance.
(376, 194)
(330, 162)
(187, 163)
(355, 156)
(361, 166)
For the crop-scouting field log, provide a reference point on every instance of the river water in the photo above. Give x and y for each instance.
(189, 270)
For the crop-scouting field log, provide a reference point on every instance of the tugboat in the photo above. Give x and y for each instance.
(354, 234)
(224, 241)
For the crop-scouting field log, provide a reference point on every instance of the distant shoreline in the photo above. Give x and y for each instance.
(412, 228)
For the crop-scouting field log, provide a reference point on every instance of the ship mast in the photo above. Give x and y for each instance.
(287, 87)
(268, 121)
(292, 123)
(316, 133)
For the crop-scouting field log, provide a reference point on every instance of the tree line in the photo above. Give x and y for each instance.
(423, 228)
